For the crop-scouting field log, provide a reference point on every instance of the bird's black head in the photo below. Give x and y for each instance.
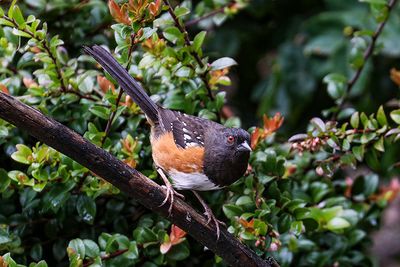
(236, 141)
(227, 152)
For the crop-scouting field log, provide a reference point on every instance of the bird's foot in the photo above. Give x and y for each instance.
(170, 195)
(211, 218)
(209, 214)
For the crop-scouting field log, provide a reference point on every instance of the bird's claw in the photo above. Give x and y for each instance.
(170, 195)
(211, 217)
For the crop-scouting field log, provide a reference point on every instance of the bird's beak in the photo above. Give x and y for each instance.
(244, 147)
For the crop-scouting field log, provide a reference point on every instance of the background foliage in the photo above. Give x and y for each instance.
(312, 201)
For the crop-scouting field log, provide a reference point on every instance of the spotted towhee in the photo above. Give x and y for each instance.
(197, 154)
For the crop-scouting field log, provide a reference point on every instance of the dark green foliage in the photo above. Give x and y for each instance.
(309, 201)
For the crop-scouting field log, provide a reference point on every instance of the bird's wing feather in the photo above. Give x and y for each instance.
(187, 130)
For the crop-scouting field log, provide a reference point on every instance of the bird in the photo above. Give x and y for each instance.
(195, 153)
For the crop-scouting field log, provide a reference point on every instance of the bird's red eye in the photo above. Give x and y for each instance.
(230, 139)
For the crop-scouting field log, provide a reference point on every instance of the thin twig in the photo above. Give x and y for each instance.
(367, 54)
(107, 257)
(196, 56)
(208, 15)
(63, 87)
(112, 115)
(47, 50)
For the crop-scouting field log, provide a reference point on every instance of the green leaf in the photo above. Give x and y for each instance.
(78, 247)
(4, 237)
(181, 11)
(54, 42)
(11, 9)
(318, 191)
(19, 19)
(356, 236)
(365, 186)
(133, 252)
(58, 195)
(183, 72)
(260, 226)
(86, 208)
(244, 201)
(148, 32)
(395, 115)
(6, 22)
(4, 180)
(319, 124)
(36, 252)
(337, 224)
(147, 61)
(223, 63)
(205, 113)
(355, 120)
(231, 210)
(367, 137)
(178, 252)
(41, 263)
(21, 33)
(100, 111)
(92, 250)
(198, 41)
(21, 178)
(358, 152)
(364, 119)
(381, 117)
(23, 154)
(284, 222)
(378, 145)
(173, 34)
(220, 99)
(144, 235)
(336, 85)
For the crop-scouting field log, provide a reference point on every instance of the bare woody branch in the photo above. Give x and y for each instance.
(127, 179)
(209, 15)
(367, 54)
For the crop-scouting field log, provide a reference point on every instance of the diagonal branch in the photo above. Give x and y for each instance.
(367, 54)
(211, 14)
(127, 179)
(370, 48)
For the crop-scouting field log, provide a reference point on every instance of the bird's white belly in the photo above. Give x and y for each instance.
(191, 181)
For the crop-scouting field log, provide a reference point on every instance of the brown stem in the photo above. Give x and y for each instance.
(208, 15)
(196, 56)
(112, 116)
(127, 179)
(108, 256)
(46, 48)
(367, 54)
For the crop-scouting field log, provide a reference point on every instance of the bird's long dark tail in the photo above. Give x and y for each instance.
(127, 83)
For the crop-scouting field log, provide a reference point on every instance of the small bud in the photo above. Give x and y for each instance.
(319, 171)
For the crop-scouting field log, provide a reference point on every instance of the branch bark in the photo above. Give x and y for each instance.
(127, 179)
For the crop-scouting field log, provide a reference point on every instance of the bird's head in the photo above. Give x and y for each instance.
(227, 154)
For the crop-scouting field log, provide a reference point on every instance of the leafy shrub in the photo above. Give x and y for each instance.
(311, 201)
